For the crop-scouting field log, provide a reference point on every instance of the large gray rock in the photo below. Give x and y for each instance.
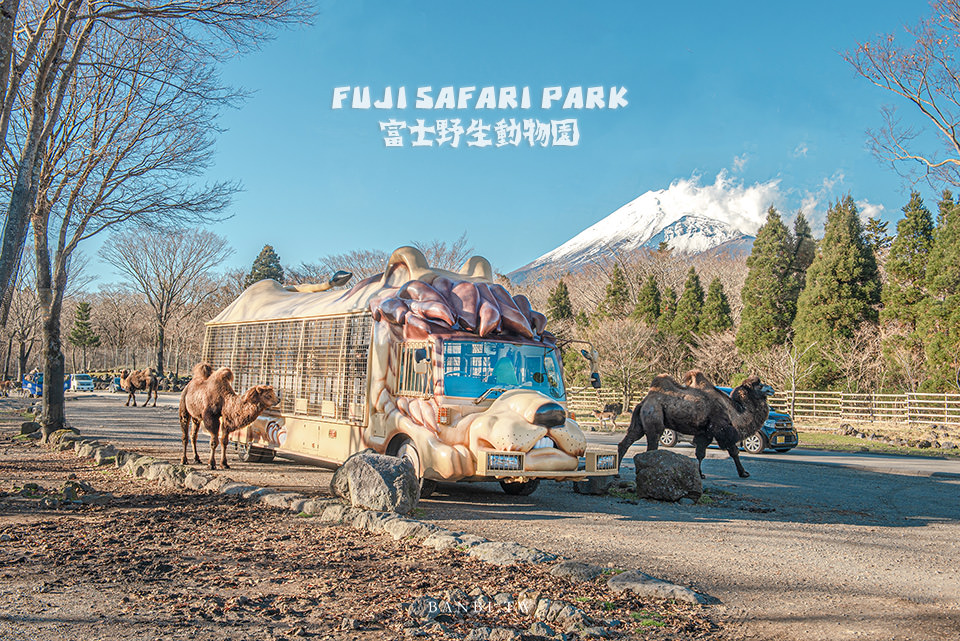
(506, 553)
(645, 585)
(377, 482)
(576, 570)
(667, 476)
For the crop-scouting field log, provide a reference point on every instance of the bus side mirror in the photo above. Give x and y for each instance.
(340, 278)
(595, 380)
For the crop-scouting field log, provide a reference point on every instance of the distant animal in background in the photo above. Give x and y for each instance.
(610, 412)
(209, 399)
(139, 381)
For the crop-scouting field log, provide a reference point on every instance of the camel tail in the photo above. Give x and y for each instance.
(202, 371)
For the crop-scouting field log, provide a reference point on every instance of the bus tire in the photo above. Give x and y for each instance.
(524, 488)
(407, 451)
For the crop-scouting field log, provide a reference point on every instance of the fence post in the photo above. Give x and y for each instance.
(909, 421)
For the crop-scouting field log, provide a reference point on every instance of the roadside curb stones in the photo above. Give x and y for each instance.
(645, 585)
(331, 511)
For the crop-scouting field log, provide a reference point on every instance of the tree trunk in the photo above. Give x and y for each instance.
(6, 362)
(22, 357)
(53, 365)
(160, 340)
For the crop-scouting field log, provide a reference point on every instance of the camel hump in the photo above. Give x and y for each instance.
(664, 382)
(696, 378)
(223, 375)
(202, 370)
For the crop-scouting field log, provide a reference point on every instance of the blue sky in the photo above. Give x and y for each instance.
(755, 89)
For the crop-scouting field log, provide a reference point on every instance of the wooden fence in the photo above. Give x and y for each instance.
(911, 409)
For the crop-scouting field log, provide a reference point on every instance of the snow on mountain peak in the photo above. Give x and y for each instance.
(689, 216)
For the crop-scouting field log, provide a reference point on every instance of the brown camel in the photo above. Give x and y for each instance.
(209, 398)
(702, 411)
(143, 380)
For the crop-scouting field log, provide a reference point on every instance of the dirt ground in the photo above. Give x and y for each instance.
(140, 562)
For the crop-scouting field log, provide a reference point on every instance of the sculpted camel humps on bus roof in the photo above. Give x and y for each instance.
(209, 398)
(702, 411)
(132, 382)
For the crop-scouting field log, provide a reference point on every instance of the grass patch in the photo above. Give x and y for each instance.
(418, 513)
(842, 443)
(304, 515)
(583, 599)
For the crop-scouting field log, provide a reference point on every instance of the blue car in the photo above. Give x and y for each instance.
(33, 385)
(777, 433)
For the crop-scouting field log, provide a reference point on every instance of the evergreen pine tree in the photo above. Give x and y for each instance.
(769, 290)
(905, 290)
(940, 322)
(83, 335)
(716, 315)
(946, 205)
(804, 250)
(875, 233)
(616, 300)
(689, 307)
(668, 311)
(842, 290)
(648, 302)
(559, 307)
(267, 265)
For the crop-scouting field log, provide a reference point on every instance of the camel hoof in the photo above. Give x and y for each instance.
(225, 466)
(213, 466)
(744, 474)
(197, 460)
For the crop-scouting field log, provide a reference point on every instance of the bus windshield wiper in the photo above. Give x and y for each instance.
(480, 398)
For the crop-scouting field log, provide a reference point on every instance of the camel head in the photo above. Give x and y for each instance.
(755, 389)
(262, 395)
(125, 374)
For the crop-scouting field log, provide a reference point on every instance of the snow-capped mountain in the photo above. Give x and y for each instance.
(689, 217)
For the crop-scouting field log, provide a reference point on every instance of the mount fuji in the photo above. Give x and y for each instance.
(689, 217)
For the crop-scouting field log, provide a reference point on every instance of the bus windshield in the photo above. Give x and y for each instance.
(470, 368)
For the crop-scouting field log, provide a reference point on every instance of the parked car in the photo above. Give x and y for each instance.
(777, 433)
(81, 383)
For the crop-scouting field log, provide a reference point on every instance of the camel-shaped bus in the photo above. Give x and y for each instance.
(445, 369)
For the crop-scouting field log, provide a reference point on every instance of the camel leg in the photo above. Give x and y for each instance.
(185, 428)
(154, 397)
(634, 432)
(148, 398)
(213, 429)
(734, 452)
(224, 436)
(133, 397)
(701, 441)
(196, 432)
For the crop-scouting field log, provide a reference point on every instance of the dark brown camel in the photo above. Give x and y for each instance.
(209, 398)
(700, 410)
(143, 380)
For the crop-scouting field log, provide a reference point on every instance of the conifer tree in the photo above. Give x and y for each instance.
(559, 307)
(946, 205)
(941, 320)
(875, 233)
(842, 289)
(804, 250)
(903, 295)
(769, 290)
(716, 315)
(668, 311)
(648, 302)
(83, 335)
(689, 307)
(616, 300)
(266, 265)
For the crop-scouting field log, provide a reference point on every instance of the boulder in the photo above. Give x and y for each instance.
(647, 586)
(377, 482)
(506, 553)
(667, 476)
(29, 427)
(576, 571)
(596, 485)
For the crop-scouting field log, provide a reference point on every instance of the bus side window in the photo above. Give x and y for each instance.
(411, 382)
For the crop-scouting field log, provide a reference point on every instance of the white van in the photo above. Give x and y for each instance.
(81, 383)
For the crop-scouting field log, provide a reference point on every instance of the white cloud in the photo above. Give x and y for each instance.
(727, 199)
(801, 150)
(740, 161)
(868, 210)
(834, 180)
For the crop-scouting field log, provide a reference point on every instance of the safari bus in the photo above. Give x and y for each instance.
(445, 369)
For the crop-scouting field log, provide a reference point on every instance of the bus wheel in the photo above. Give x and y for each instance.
(524, 488)
(252, 454)
(408, 452)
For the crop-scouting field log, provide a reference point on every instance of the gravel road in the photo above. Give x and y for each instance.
(796, 552)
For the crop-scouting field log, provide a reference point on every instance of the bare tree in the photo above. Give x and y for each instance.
(443, 255)
(627, 355)
(924, 74)
(166, 269)
(716, 354)
(45, 44)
